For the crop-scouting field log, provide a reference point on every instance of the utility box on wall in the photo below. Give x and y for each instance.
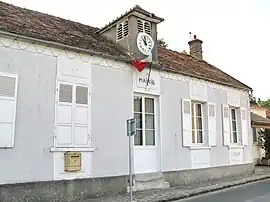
(72, 161)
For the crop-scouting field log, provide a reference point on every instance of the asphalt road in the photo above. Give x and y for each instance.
(255, 192)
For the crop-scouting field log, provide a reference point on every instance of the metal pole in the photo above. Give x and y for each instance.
(130, 169)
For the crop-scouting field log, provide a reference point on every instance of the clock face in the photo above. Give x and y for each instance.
(145, 43)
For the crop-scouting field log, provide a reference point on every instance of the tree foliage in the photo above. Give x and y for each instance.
(162, 43)
(253, 100)
(264, 103)
(266, 145)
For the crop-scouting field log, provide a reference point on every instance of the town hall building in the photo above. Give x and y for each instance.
(67, 90)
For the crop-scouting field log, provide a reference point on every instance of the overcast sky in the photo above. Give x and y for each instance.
(236, 33)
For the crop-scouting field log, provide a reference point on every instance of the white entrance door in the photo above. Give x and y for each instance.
(146, 150)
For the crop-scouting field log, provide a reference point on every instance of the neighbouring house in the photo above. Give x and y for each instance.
(67, 90)
(259, 122)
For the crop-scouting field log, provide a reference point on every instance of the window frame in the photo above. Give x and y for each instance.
(193, 112)
(73, 105)
(231, 125)
(143, 121)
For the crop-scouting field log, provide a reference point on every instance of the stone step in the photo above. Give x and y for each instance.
(148, 181)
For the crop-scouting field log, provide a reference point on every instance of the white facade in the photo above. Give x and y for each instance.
(183, 123)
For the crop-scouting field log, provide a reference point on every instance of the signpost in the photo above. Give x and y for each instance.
(131, 131)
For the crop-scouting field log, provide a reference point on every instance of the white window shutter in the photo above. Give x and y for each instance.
(186, 121)
(81, 137)
(212, 124)
(64, 116)
(226, 124)
(244, 126)
(8, 102)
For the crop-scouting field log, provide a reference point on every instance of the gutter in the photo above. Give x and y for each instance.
(122, 59)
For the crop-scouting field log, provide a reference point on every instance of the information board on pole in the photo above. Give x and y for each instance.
(131, 127)
(131, 131)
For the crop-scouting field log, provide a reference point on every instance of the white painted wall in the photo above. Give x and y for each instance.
(111, 85)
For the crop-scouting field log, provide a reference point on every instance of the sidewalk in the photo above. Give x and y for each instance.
(180, 192)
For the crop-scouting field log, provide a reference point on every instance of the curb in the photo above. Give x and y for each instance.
(213, 188)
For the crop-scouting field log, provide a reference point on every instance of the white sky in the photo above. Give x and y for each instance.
(236, 33)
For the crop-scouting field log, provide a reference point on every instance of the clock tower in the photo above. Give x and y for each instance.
(135, 31)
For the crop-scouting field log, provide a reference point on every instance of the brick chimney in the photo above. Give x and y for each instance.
(195, 47)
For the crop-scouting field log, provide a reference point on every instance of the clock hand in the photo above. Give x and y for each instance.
(144, 40)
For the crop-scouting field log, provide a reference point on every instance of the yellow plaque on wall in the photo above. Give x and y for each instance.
(72, 161)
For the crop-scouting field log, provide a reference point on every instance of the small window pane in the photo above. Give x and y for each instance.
(149, 121)
(137, 104)
(192, 109)
(150, 137)
(138, 140)
(234, 137)
(233, 114)
(193, 123)
(234, 125)
(65, 93)
(149, 105)
(138, 118)
(198, 110)
(81, 95)
(198, 123)
(199, 136)
(193, 136)
(255, 137)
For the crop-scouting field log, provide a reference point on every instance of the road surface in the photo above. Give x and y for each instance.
(255, 192)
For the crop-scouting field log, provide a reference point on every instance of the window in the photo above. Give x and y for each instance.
(196, 116)
(233, 123)
(144, 26)
(8, 100)
(72, 116)
(122, 30)
(144, 113)
(255, 135)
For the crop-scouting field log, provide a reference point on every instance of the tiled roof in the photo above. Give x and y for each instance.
(46, 27)
(257, 119)
(189, 65)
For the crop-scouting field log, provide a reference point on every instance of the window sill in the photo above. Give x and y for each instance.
(199, 147)
(84, 149)
(235, 146)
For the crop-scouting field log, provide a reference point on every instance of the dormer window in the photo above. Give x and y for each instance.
(122, 30)
(144, 26)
